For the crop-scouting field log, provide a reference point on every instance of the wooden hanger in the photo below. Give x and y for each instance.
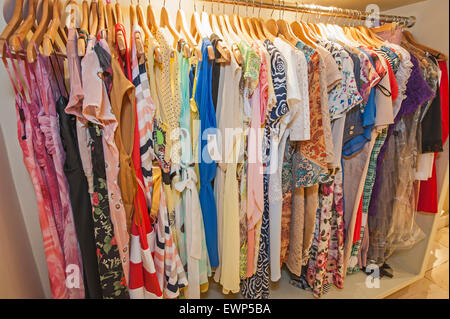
(352, 35)
(230, 29)
(206, 25)
(72, 19)
(225, 35)
(120, 37)
(224, 30)
(437, 54)
(148, 34)
(258, 30)
(53, 30)
(248, 26)
(386, 27)
(136, 35)
(312, 31)
(182, 27)
(233, 38)
(241, 26)
(12, 25)
(362, 31)
(215, 25)
(93, 26)
(84, 27)
(270, 27)
(372, 35)
(198, 29)
(300, 32)
(22, 31)
(285, 31)
(236, 25)
(101, 16)
(262, 27)
(38, 35)
(110, 23)
(225, 54)
(315, 30)
(197, 26)
(166, 22)
(151, 19)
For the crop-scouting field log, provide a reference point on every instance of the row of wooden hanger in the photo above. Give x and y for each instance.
(98, 17)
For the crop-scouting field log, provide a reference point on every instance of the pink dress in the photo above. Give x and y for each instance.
(49, 125)
(27, 138)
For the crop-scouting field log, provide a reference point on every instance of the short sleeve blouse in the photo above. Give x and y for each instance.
(345, 96)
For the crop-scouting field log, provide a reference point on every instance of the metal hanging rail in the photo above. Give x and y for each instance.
(321, 10)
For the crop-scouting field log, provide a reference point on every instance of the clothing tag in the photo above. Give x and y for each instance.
(159, 137)
(21, 115)
(72, 16)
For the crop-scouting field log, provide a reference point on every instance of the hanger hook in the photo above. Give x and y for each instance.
(346, 18)
(338, 14)
(260, 8)
(302, 13)
(279, 9)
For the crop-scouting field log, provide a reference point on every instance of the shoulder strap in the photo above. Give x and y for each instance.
(15, 80)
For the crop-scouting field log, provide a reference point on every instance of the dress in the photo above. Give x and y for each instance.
(257, 287)
(111, 235)
(207, 166)
(190, 228)
(27, 138)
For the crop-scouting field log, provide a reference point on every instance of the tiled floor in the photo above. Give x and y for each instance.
(435, 284)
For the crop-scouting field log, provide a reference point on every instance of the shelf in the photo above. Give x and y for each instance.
(355, 288)
(408, 265)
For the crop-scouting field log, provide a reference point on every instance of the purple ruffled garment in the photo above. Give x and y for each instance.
(417, 93)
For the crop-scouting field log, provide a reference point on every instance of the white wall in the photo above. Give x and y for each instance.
(431, 29)
(432, 26)
(19, 276)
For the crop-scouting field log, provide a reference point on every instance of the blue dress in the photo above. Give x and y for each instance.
(207, 167)
(368, 122)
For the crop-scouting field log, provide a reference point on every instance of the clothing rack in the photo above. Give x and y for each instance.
(318, 9)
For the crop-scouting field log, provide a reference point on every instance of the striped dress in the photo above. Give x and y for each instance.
(169, 268)
(143, 280)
